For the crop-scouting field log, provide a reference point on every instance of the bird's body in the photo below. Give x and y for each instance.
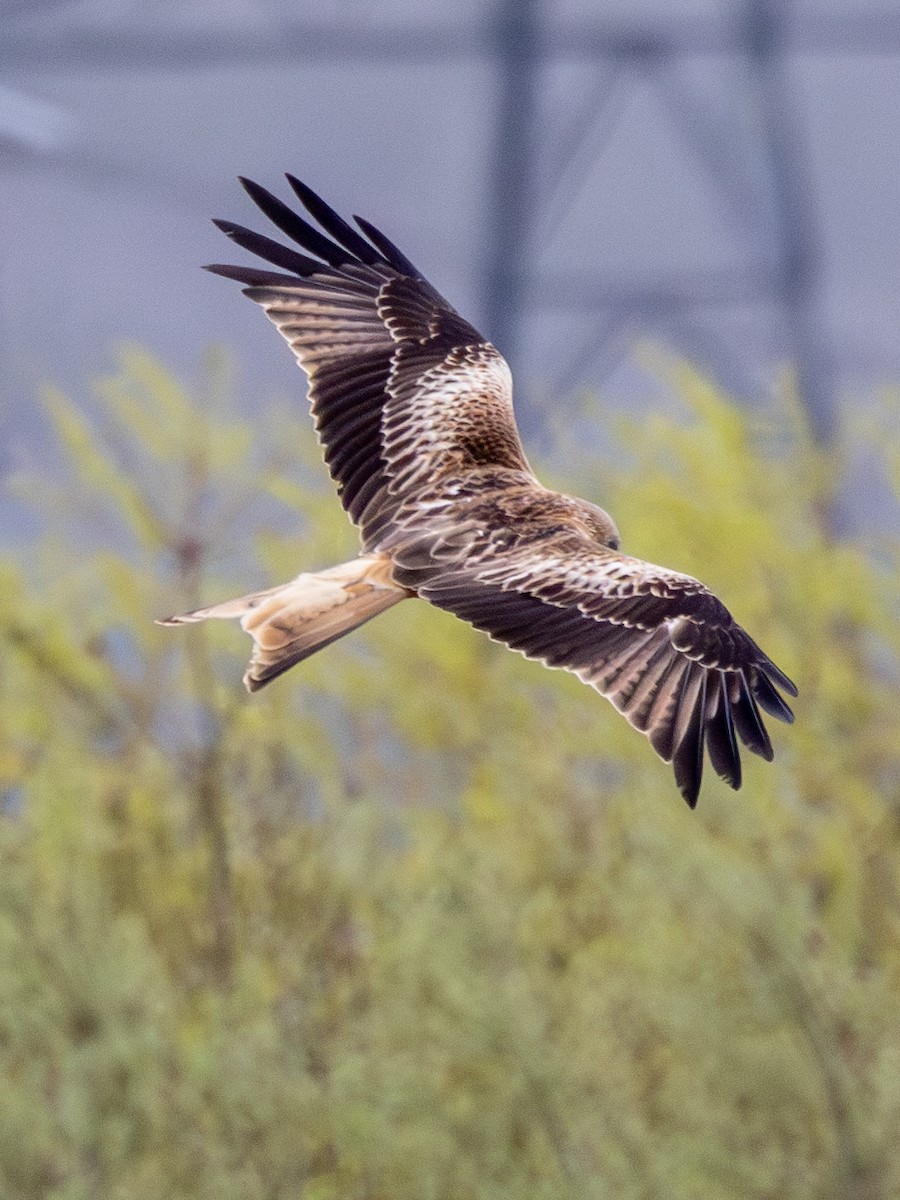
(414, 412)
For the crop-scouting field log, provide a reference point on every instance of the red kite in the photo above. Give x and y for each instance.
(414, 412)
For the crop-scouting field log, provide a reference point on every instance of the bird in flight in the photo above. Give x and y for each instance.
(413, 409)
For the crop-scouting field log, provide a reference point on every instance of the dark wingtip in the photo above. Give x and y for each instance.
(768, 697)
(272, 252)
(303, 191)
(691, 795)
(311, 201)
(257, 193)
(687, 760)
(333, 223)
(778, 678)
(251, 276)
(721, 741)
(292, 224)
(747, 721)
(395, 257)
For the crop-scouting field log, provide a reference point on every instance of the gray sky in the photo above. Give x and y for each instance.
(123, 126)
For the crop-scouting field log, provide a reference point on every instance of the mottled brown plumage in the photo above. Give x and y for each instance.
(414, 412)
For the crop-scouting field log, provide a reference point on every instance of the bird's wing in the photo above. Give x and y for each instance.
(658, 644)
(402, 389)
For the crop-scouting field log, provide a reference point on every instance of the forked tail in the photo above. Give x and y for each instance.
(293, 621)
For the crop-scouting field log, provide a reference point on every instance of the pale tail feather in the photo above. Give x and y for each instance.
(293, 621)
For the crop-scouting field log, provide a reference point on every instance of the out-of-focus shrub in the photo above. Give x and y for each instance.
(424, 919)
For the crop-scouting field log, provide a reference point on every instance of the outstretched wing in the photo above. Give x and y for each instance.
(658, 644)
(402, 389)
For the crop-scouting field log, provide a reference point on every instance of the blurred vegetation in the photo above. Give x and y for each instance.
(424, 919)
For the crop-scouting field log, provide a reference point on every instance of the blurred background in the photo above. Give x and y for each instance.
(424, 919)
(717, 175)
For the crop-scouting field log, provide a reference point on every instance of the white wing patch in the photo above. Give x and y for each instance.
(448, 416)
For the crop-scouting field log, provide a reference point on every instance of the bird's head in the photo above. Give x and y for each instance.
(599, 525)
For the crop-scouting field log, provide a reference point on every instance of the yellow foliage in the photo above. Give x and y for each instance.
(425, 919)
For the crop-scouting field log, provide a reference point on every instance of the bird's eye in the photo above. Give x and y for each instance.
(613, 543)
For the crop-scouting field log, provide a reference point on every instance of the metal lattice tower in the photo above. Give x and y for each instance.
(520, 41)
